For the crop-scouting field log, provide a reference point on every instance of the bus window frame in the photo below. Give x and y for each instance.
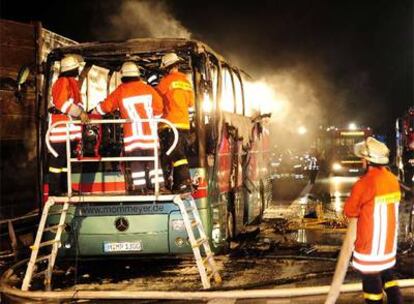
(237, 73)
(227, 67)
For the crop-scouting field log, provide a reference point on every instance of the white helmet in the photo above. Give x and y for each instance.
(373, 151)
(169, 59)
(69, 62)
(130, 69)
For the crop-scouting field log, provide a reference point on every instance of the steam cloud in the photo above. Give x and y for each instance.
(143, 18)
(298, 88)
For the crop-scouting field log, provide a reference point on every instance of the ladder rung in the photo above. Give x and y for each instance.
(207, 258)
(195, 223)
(216, 275)
(190, 209)
(38, 274)
(42, 258)
(213, 273)
(57, 212)
(199, 242)
(50, 228)
(48, 243)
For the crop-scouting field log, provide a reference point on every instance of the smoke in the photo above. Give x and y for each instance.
(303, 95)
(142, 18)
(295, 98)
(300, 88)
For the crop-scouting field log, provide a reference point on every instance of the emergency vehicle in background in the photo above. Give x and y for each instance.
(229, 157)
(405, 147)
(339, 150)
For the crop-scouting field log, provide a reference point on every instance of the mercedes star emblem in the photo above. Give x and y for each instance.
(121, 224)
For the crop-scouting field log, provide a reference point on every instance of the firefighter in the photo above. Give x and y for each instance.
(178, 97)
(65, 105)
(374, 202)
(136, 100)
(313, 166)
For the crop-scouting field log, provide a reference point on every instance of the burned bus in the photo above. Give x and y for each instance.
(228, 159)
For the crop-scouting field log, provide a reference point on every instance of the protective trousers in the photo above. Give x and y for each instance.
(175, 163)
(57, 168)
(142, 172)
(374, 284)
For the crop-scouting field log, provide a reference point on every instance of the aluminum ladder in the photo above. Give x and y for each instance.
(206, 265)
(54, 244)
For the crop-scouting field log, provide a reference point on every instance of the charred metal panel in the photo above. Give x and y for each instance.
(21, 45)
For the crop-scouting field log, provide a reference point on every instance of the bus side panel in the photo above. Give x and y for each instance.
(252, 177)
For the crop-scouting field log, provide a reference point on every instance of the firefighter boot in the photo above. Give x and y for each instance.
(182, 180)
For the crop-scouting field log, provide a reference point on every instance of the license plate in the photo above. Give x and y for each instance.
(123, 246)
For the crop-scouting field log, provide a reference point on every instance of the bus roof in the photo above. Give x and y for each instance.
(134, 49)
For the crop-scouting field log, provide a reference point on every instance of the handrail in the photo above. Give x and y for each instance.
(104, 121)
(153, 121)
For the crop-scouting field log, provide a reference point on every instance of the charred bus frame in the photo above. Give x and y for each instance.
(230, 159)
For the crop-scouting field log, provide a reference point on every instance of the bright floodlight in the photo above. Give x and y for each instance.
(352, 126)
(302, 130)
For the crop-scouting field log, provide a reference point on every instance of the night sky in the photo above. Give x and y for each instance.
(335, 60)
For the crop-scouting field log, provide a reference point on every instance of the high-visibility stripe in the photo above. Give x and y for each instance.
(160, 180)
(138, 174)
(373, 262)
(139, 182)
(373, 268)
(180, 163)
(57, 170)
(142, 138)
(373, 296)
(99, 109)
(182, 126)
(396, 212)
(377, 229)
(390, 284)
(135, 145)
(185, 126)
(390, 198)
(152, 172)
(66, 105)
(63, 129)
(384, 229)
(181, 85)
(374, 257)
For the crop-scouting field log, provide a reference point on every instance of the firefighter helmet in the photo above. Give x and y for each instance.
(373, 151)
(170, 59)
(68, 63)
(130, 69)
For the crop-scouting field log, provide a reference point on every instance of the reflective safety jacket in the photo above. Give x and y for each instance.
(135, 100)
(178, 96)
(374, 201)
(65, 97)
